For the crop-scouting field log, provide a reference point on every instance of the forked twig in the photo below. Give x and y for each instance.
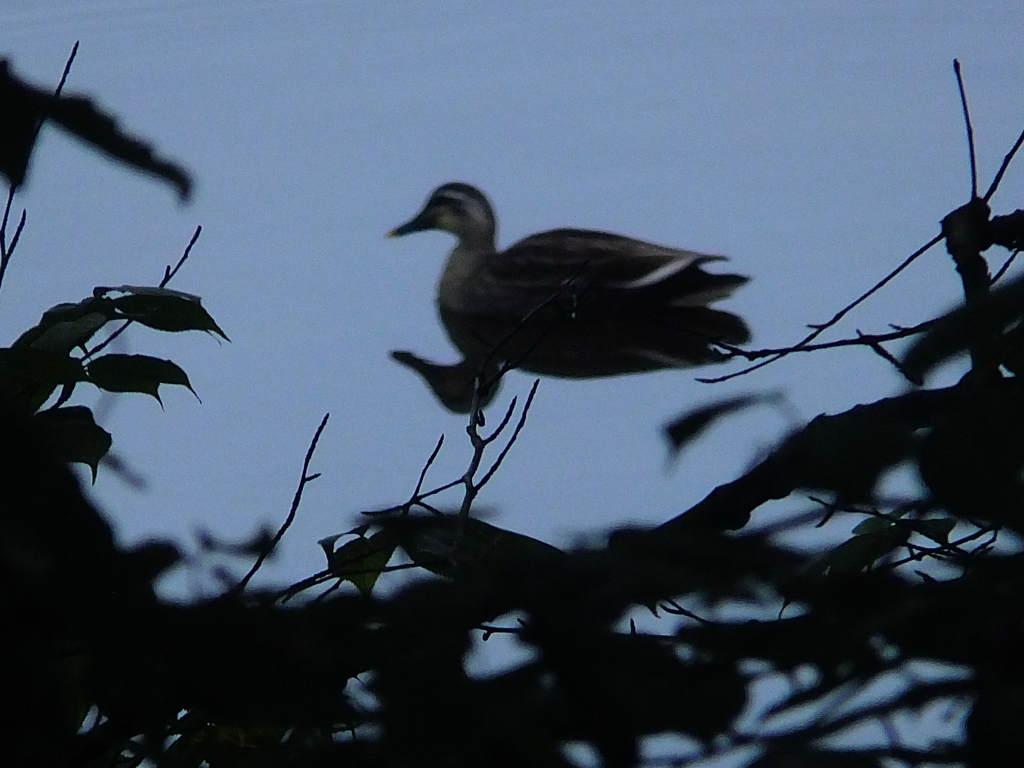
(515, 434)
(821, 328)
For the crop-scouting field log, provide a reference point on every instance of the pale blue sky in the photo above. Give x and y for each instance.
(816, 144)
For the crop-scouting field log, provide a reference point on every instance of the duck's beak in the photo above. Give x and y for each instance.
(423, 220)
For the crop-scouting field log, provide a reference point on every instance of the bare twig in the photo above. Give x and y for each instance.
(503, 423)
(1003, 269)
(296, 500)
(169, 273)
(426, 466)
(886, 355)
(968, 127)
(952, 549)
(6, 252)
(1002, 168)
(821, 328)
(56, 92)
(862, 339)
(515, 434)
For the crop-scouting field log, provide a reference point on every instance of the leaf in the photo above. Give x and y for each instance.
(860, 552)
(951, 334)
(327, 545)
(28, 376)
(362, 559)
(25, 106)
(431, 542)
(64, 327)
(692, 423)
(937, 529)
(74, 435)
(873, 525)
(164, 309)
(136, 373)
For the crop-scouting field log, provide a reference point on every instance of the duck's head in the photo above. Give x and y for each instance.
(458, 208)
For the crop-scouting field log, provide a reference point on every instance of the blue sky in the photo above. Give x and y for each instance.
(816, 144)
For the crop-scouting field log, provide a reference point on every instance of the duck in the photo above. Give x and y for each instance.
(593, 303)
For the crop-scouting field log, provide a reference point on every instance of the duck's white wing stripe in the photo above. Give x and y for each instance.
(655, 276)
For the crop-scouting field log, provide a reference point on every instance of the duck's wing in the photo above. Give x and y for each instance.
(615, 266)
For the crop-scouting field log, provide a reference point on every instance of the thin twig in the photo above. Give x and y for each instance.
(430, 461)
(7, 252)
(1002, 168)
(946, 549)
(886, 355)
(862, 339)
(1006, 265)
(819, 329)
(515, 434)
(503, 423)
(296, 500)
(968, 126)
(170, 273)
(3, 223)
(56, 93)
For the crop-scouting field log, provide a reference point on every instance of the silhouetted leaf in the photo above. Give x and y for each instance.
(64, 327)
(136, 373)
(74, 435)
(361, 560)
(936, 529)
(431, 541)
(873, 525)
(951, 334)
(28, 376)
(692, 423)
(860, 552)
(25, 106)
(162, 308)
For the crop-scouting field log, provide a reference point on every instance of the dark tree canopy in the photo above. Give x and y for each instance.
(99, 671)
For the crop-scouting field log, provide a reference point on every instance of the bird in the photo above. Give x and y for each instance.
(578, 303)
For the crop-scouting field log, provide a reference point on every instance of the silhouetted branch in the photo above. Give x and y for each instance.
(428, 464)
(515, 434)
(861, 340)
(304, 478)
(966, 232)
(821, 328)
